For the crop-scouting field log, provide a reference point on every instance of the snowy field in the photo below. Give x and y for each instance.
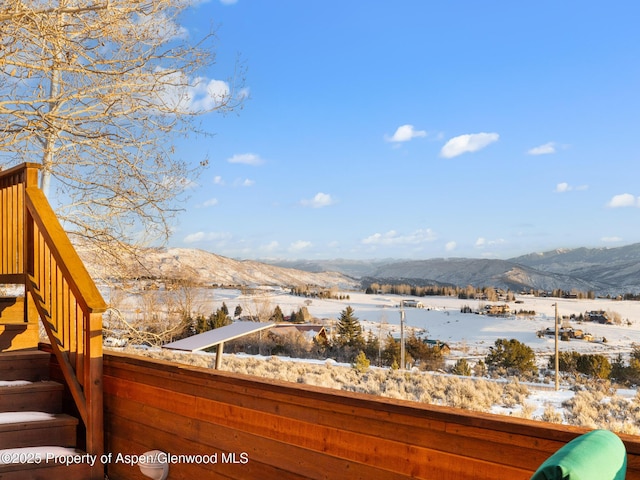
(467, 334)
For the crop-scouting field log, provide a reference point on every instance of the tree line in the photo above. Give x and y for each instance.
(491, 294)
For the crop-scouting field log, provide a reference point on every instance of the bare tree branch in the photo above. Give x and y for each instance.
(97, 91)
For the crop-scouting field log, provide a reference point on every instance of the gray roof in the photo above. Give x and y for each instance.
(217, 336)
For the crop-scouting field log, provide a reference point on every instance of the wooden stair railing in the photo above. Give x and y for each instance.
(36, 252)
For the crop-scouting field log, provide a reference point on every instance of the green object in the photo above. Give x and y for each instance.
(597, 455)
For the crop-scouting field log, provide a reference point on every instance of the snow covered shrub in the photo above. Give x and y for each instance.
(461, 393)
(551, 415)
(514, 393)
(480, 369)
(526, 411)
(582, 409)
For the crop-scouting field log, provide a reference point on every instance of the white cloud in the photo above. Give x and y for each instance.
(405, 133)
(207, 94)
(565, 187)
(194, 237)
(482, 242)
(179, 182)
(270, 247)
(212, 202)
(246, 158)
(217, 180)
(545, 149)
(206, 237)
(450, 246)
(467, 143)
(228, 2)
(624, 200)
(244, 183)
(320, 200)
(394, 238)
(160, 26)
(196, 95)
(299, 245)
(611, 239)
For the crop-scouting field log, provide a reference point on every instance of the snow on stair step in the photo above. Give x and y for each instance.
(14, 383)
(24, 417)
(19, 395)
(30, 429)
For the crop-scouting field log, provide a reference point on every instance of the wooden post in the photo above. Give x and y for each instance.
(557, 362)
(219, 355)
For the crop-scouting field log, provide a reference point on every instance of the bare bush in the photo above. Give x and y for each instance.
(593, 406)
(551, 415)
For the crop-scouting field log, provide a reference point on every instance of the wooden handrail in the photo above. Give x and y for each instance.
(36, 252)
(62, 250)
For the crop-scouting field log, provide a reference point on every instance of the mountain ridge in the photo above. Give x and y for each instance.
(605, 271)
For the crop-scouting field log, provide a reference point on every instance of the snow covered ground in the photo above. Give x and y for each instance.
(467, 334)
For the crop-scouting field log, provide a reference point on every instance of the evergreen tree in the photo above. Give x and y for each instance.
(299, 316)
(238, 311)
(303, 315)
(225, 309)
(361, 363)
(391, 352)
(462, 367)
(430, 357)
(277, 315)
(219, 319)
(372, 347)
(595, 365)
(512, 355)
(349, 329)
(567, 362)
(201, 324)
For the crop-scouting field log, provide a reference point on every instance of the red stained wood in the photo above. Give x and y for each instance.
(311, 432)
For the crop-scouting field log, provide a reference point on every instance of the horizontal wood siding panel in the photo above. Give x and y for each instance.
(294, 431)
(202, 439)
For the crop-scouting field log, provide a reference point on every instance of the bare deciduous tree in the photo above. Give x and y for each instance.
(97, 91)
(258, 307)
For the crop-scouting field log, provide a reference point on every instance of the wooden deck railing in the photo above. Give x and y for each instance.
(222, 425)
(36, 252)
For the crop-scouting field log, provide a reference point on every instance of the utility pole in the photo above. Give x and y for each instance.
(402, 349)
(557, 359)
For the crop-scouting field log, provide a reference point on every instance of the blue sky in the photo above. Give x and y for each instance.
(419, 129)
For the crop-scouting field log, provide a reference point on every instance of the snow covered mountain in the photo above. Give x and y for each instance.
(209, 268)
(602, 270)
(610, 271)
